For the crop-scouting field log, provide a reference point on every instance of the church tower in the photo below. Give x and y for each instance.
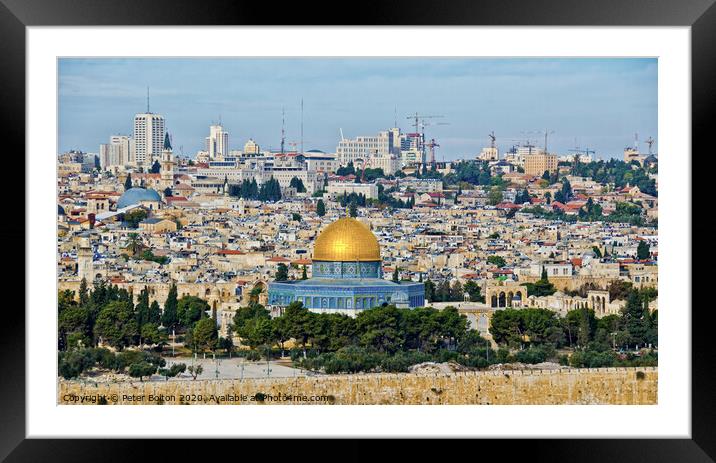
(167, 170)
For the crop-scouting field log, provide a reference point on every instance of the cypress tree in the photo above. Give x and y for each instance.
(169, 316)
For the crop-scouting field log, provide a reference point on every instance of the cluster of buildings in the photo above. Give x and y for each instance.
(227, 250)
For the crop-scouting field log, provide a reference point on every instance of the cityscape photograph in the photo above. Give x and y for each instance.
(355, 231)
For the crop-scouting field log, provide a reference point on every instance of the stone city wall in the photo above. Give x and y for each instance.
(611, 386)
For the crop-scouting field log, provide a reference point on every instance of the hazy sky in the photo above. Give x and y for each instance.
(595, 103)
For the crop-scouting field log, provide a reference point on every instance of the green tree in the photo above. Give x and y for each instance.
(73, 363)
(245, 323)
(443, 291)
(298, 319)
(506, 327)
(150, 334)
(83, 293)
(353, 209)
(304, 275)
(497, 261)
(133, 217)
(155, 313)
(134, 244)
(172, 371)
(643, 251)
(495, 196)
(297, 183)
(456, 291)
(619, 290)
(541, 287)
(566, 190)
(320, 208)
(116, 325)
(195, 370)
(579, 327)
(205, 334)
(258, 332)
(430, 291)
(191, 309)
(156, 168)
(74, 326)
(128, 182)
(281, 272)
(635, 318)
(396, 275)
(141, 310)
(227, 343)
(169, 316)
(380, 328)
(473, 289)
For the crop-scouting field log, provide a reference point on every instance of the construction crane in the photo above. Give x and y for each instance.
(420, 117)
(546, 133)
(420, 128)
(649, 141)
(362, 175)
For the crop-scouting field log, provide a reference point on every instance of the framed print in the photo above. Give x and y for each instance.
(417, 225)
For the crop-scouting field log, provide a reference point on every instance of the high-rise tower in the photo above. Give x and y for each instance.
(217, 143)
(148, 137)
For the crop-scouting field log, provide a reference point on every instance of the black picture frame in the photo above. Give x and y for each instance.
(16, 15)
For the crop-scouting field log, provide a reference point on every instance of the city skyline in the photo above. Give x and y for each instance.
(592, 103)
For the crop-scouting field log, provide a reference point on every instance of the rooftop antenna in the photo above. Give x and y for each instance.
(147, 100)
(636, 142)
(492, 139)
(342, 137)
(283, 129)
(395, 117)
(301, 125)
(547, 133)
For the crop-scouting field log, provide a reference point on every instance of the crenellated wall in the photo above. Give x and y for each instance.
(612, 386)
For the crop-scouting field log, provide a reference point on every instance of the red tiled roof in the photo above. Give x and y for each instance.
(230, 252)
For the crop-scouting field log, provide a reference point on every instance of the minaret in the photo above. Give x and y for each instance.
(167, 170)
(84, 260)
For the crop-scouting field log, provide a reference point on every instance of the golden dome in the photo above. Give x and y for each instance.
(346, 240)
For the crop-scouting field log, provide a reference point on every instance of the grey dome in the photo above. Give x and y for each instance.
(136, 195)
